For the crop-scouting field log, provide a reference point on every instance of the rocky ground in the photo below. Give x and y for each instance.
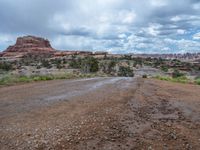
(100, 113)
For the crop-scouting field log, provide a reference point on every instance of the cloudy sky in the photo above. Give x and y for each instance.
(117, 26)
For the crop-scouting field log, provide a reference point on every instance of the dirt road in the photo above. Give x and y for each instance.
(100, 113)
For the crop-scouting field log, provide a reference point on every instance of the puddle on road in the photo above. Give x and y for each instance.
(62, 94)
(85, 89)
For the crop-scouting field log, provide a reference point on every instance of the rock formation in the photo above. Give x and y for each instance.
(36, 45)
(28, 44)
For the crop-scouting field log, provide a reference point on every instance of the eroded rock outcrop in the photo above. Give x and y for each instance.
(36, 45)
(29, 44)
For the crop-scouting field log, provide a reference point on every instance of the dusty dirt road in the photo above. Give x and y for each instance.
(100, 113)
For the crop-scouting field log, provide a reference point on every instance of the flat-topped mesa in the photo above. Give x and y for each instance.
(30, 44)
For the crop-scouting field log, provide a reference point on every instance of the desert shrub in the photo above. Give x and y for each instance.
(46, 78)
(46, 64)
(182, 79)
(59, 66)
(36, 78)
(164, 68)
(24, 79)
(58, 63)
(6, 66)
(177, 74)
(137, 61)
(75, 63)
(165, 78)
(125, 71)
(144, 76)
(111, 66)
(4, 80)
(197, 81)
(127, 57)
(90, 64)
(9, 79)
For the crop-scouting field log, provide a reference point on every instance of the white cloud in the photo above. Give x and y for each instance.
(122, 36)
(176, 18)
(153, 29)
(114, 25)
(127, 17)
(158, 3)
(6, 39)
(188, 45)
(196, 36)
(166, 49)
(181, 32)
(196, 6)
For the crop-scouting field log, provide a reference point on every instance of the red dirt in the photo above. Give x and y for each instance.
(100, 113)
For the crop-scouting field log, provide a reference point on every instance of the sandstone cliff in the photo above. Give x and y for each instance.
(30, 44)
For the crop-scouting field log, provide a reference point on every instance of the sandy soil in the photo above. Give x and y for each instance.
(100, 113)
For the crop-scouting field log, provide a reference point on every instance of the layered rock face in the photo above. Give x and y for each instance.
(39, 46)
(29, 44)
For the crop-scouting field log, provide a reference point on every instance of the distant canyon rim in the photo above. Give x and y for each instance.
(38, 45)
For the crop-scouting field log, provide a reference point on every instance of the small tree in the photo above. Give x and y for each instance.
(144, 76)
(90, 64)
(46, 64)
(58, 63)
(75, 63)
(164, 68)
(111, 66)
(125, 71)
(6, 66)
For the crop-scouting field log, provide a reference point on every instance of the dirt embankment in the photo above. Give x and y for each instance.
(100, 113)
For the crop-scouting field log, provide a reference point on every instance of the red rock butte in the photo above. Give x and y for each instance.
(30, 44)
(37, 45)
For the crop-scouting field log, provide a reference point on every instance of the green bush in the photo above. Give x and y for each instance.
(144, 76)
(75, 63)
(11, 79)
(182, 79)
(36, 78)
(164, 68)
(46, 64)
(58, 63)
(165, 78)
(111, 66)
(4, 80)
(24, 79)
(197, 81)
(6, 66)
(125, 71)
(90, 64)
(177, 74)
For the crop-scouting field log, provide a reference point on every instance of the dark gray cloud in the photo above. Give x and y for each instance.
(112, 25)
